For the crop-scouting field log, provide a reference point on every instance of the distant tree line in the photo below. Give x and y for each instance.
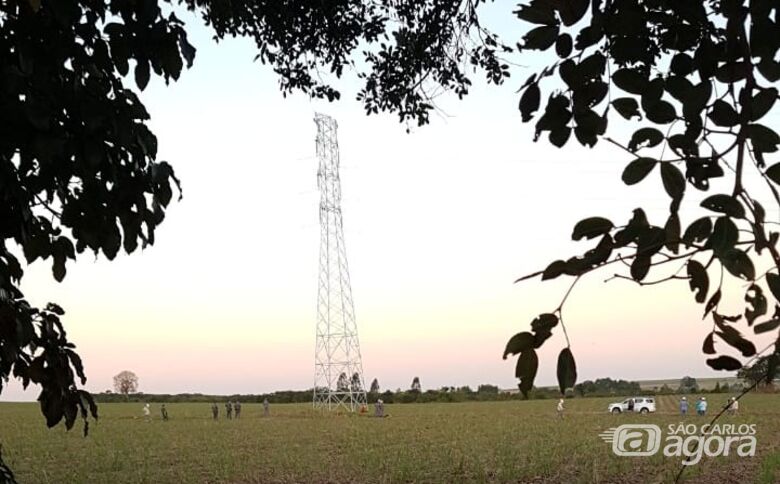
(287, 396)
(601, 387)
(445, 394)
(607, 386)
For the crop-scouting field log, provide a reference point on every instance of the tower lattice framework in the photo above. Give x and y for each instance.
(338, 369)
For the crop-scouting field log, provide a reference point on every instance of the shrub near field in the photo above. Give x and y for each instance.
(476, 442)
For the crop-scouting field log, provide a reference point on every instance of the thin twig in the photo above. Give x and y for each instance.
(650, 283)
(560, 310)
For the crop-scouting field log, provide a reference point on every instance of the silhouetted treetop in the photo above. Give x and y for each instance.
(402, 52)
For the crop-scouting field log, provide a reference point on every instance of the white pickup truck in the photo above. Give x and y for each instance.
(633, 404)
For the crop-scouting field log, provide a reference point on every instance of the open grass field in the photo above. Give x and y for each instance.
(517, 441)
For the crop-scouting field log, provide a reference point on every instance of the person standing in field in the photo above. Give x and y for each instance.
(733, 406)
(683, 406)
(701, 406)
(266, 410)
(215, 410)
(560, 408)
(164, 412)
(379, 408)
(147, 413)
(237, 408)
(229, 410)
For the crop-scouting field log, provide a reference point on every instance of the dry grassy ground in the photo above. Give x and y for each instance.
(518, 441)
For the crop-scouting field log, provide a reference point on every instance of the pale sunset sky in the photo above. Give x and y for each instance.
(438, 224)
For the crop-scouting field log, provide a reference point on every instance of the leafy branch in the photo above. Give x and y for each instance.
(690, 73)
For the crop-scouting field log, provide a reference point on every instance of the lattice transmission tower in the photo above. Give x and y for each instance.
(338, 369)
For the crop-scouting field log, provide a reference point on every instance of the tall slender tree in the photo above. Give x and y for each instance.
(375, 386)
(343, 382)
(355, 384)
(416, 385)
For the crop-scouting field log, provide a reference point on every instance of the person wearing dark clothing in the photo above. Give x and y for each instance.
(164, 412)
(215, 410)
(229, 410)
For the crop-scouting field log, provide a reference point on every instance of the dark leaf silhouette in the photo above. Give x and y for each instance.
(724, 204)
(563, 45)
(640, 267)
(543, 322)
(673, 181)
(142, 74)
(736, 340)
(637, 170)
(537, 12)
(762, 138)
(773, 281)
(698, 231)
(627, 107)
(758, 304)
(767, 326)
(726, 363)
(519, 343)
(554, 270)
(698, 280)
(529, 102)
(722, 114)
(762, 103)
(567, 370)
(541, 38)
(527, 365)
(708, 347)
(773, 172)
(712, 303)
(630, 80)
(591, 227)
(739, 264)
(645, 138)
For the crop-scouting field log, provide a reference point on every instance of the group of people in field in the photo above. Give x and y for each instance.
(732, 406)
(148, 412)
(379, 409)
(232, 410)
